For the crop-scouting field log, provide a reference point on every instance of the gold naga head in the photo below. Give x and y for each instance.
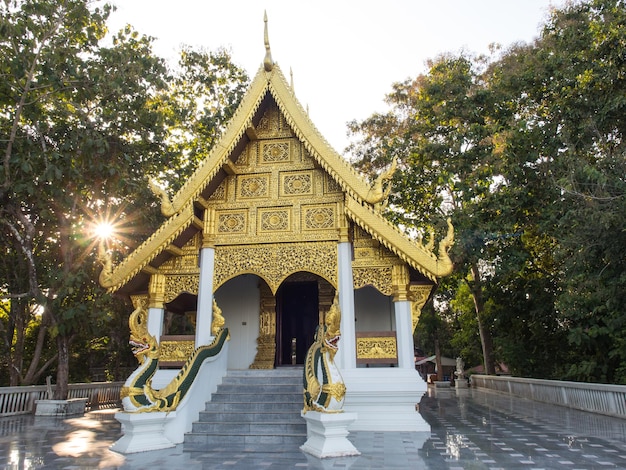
(141, 341)
(332, 332)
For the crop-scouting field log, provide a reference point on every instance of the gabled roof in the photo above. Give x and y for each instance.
(272, 83)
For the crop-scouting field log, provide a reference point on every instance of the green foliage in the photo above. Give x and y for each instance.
(203, 96)
(84, 126)
(462, 316)
(578, 89)
(526, 153)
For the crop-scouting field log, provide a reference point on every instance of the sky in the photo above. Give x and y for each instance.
(344, 54)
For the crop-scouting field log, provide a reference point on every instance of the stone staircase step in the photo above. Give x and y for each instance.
(280, 372)
(280, 416)
(254, 407)
(252, 411)
(221, 397)
(287, 387)
(242, 443)
(249, 428)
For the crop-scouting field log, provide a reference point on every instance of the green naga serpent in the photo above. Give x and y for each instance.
(137, 394)
(324, 389)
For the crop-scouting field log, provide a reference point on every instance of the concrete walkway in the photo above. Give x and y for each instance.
(471, 429)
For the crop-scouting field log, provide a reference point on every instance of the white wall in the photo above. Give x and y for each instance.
(239, 300)
(373, 310)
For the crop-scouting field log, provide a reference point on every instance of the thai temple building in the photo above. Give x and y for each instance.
(270, 229)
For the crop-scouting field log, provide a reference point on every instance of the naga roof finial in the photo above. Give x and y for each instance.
(268, 63)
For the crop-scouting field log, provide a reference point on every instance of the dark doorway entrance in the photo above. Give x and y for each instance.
(297, 312)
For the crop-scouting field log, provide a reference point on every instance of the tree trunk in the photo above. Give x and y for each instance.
(34, 370)
(486, 340)
(63, 368)
(16, 349)
(438, 365)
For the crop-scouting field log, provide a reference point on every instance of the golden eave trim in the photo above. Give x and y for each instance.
(390, 236)
(158, 242)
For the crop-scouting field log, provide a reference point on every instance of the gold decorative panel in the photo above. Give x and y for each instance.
(245, 156)
(232, 222)
(274, 220)
(373, 348)
(175, 351)
(253, 186)
(418, 295)
(276, 152)
(296, 184)
(378, 277)
(268, 124)
(273, 124)
(367, 253)
(275, 262)
(176, 284)
(331, 185)
(219, 194)
(266, 341)
(186, 263)
(319, 217)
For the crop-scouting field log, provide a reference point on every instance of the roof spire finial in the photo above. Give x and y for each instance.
(268, 63)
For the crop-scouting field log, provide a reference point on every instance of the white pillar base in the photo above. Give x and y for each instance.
(385, 399)
(327, 434)
(460, 383)
(142, 432)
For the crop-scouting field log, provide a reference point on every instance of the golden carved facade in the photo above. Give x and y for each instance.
(373, 264)
(275, 262)
(274, 179)
(376, 349)
(266, 341)
(175, 350)
(279, 213)
(182, 273)
(418, 295)
(274, 199)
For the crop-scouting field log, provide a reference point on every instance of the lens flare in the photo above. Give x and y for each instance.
(104, 230)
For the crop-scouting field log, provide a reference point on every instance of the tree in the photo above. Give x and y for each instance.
(85, 126)
(202, 96)
(566, 99)
(72, 112)
(461, 315)
(438, 131)
(525, 151)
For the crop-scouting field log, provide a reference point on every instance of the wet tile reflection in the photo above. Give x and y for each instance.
(470, 430)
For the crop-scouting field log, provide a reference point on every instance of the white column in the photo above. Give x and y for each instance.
(346, 355)
(204, 313)
(155, 322)
(404, 334)
(156, 308)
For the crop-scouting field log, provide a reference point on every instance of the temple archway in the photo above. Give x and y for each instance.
(301, 301)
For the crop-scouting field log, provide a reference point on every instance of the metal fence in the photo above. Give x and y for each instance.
(21, 400)
(597, 398)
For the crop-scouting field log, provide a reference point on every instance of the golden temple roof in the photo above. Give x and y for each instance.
(270, 83)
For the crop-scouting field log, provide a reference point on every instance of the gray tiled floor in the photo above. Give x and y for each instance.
(470, 430)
